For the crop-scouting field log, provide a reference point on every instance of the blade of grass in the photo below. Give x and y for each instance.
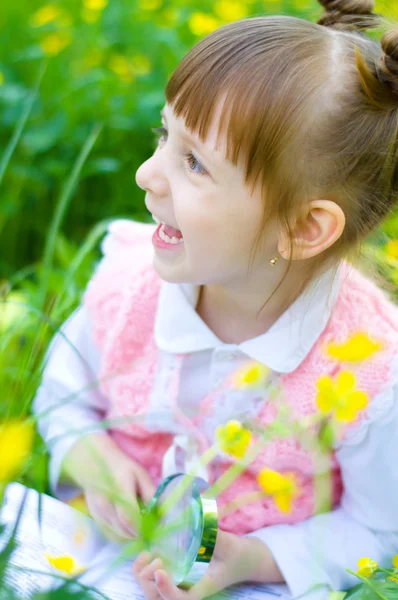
(86, 247)
(60, 210)
(21, 124)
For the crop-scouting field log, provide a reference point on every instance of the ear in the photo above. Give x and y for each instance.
(319, 227)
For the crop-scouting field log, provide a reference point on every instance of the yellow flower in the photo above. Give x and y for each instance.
(121, 67)
(283, 488)
(16, 440)
(395, 561)
(392, 249)
(202, 24)
(150, 4)
(230, 10)
(46, 14)
(54, 43)
(340, 397)
(358, 347)
(66, 564)
(95, 4)
(253, 375)
(367, 567)
(233, 438)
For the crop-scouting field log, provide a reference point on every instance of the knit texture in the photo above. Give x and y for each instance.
(121, 299)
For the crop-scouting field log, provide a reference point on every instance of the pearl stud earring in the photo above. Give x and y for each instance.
(274, 260)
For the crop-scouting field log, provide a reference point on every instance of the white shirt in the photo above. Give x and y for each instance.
(315, 552)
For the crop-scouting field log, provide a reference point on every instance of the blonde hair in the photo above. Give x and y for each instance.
(311, 111)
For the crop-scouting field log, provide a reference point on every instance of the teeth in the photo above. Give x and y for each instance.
(166, 238)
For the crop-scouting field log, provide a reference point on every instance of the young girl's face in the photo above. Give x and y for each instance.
(191, 187)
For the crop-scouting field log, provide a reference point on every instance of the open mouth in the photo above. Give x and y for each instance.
(167, 233)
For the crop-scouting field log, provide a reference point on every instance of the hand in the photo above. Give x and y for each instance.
(227, 567)
(111, 482)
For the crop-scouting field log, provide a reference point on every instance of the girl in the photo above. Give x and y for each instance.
(277, 156)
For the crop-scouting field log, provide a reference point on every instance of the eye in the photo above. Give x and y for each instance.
(190, 159)
(159, 132)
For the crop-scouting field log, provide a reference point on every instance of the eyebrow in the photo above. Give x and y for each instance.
(211, 158)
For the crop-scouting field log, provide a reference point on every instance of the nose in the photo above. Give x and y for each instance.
(150, 176)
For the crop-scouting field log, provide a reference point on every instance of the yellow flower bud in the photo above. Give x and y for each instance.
(201, 24)
(357, 348)
(283, 488)
(45, 14)
(230, 10)
(16, 440)
(54, 43)
(233, 438)
(95, 5)
(367, 567)
(250, 376)
(340, 397)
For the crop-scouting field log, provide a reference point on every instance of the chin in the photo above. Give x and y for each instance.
(171, 274)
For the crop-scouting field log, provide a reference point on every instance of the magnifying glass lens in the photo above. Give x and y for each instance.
(181, 529)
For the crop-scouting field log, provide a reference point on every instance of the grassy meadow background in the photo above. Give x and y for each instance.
(81, 85)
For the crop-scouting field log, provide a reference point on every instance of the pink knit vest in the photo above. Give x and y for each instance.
(121, 299)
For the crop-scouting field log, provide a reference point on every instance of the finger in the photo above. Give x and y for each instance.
(109, 524)
(129, 518)
(168, 591)
(148, 572)
(149, 588)
(104, 514)
(109, 532)
(113, 523)
(203, 588)
(140, 562)
(145, 485)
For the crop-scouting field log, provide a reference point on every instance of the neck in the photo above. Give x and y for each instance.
(235, 313)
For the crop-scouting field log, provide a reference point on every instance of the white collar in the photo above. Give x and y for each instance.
(179, 329)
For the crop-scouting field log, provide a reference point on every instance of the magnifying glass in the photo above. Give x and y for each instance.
(187, 526)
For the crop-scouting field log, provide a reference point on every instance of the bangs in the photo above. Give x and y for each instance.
(246, 66)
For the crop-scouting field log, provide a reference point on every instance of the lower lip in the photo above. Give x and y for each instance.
(159, 243)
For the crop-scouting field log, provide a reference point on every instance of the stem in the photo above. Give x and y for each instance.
(186, 481)
(61, 208)
(367, 582)
(235, 470)
(322, 490)
(20, 125)
(243, 499)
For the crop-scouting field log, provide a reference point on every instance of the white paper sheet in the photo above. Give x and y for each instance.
(65, 530)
